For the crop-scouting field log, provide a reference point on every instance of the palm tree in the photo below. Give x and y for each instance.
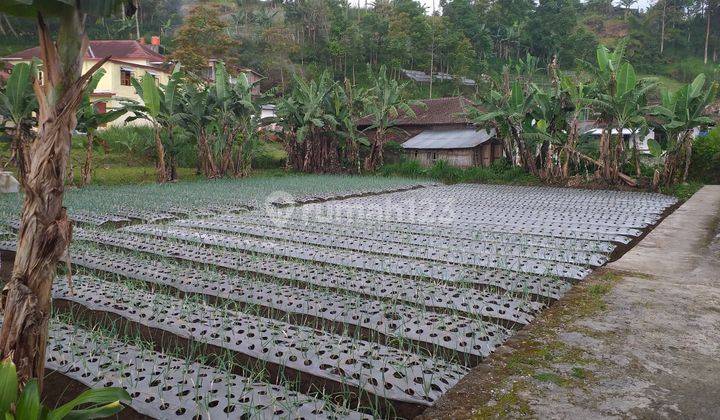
(45, 230)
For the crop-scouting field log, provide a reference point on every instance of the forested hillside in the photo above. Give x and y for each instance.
(471, 38)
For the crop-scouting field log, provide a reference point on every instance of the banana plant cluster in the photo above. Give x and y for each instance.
(162, 108)
(540, 126)
(221, 114)
(318, 125)
(680, 114)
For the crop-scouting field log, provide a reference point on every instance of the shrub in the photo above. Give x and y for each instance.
(269, 156)
(406, 168)
(705, 162)
(500, 172)
(134, 141)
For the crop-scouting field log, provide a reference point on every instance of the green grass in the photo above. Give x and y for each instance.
(498, 173)
(683, 192)
(118, 175)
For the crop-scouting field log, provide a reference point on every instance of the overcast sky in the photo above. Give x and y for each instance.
(429, 3)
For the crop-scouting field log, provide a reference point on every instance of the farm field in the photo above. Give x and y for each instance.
(341, 297)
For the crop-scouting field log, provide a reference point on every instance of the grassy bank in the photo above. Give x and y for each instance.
(498, 173)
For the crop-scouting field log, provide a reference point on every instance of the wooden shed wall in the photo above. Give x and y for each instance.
(482, 155)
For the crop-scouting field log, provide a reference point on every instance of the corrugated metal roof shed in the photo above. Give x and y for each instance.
(449, 139)
(422, 77)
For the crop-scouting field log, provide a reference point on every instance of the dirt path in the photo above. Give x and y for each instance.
(639, 339)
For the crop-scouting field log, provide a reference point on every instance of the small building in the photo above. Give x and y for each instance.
(629, 137)
(463, 148)
(441, 130)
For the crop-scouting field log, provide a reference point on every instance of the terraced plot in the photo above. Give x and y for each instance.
(378, 303)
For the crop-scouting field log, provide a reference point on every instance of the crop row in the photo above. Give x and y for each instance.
(399, 245)
(519, 195)
(323, 359)
(162, 386)
(414, 220)
(554, 226)
(475, 273)
(340, 195)
(424, 235)
(399, 321)
(499, 216)
(395, 289)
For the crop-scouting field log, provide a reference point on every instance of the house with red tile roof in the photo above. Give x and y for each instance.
(129, 59)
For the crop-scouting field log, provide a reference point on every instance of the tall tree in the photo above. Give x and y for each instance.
(203, 36)
(45, 230)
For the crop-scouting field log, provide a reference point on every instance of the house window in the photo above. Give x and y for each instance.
(41, 78)
(125, 77)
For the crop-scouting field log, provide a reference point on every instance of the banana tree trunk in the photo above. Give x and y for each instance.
(160, 151)
(45, 230)
(570, 147)
(688, 157)
(207, 161)
(375, 157)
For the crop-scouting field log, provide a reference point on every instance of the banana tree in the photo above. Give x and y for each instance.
(309, 125)
(384, 105)
(620, 99)
(45, 230)
(577, 95)
(89, 120)
(625, 105)
(680, 114)
(348, 104)
(234, 118)
(197, 119)
(162, 108)
(17, 105)
(507, 113)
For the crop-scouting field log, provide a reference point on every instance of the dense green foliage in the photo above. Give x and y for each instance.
(462, 37)
(705, 165)
(499, 172)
